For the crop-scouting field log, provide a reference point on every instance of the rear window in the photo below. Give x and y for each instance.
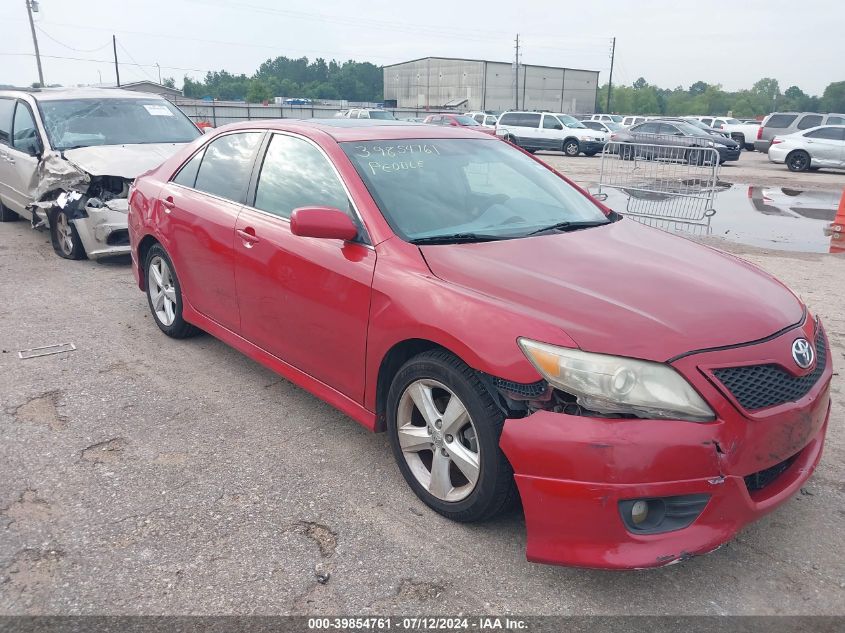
(781, 120)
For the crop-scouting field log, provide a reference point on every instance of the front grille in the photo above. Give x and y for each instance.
(760, 386)
(762, 478)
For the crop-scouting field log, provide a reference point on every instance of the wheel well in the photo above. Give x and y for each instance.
(571, 138)
(397, 356)
(143, 248)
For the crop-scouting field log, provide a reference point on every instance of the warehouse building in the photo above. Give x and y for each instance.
(473, 84)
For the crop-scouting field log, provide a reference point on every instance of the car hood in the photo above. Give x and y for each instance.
(625, 289)
(125, 161)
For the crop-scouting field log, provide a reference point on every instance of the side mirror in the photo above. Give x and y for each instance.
(453, 123)
(322, 222)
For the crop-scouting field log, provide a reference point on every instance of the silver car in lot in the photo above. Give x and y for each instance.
(822, 146)
(68, 156)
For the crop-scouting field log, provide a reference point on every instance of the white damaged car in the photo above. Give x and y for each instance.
(68, 156)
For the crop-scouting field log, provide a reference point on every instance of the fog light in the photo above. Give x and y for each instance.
(639, 512)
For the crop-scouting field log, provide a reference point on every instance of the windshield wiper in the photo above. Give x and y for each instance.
(455, 238)
(571, 226)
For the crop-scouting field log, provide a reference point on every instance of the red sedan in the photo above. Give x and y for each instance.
(645, 396)
(458, 120)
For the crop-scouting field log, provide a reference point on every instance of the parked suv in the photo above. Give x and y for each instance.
(783, 123)
(613, 118)
(368, 113)
(534, 131)
(68, 157)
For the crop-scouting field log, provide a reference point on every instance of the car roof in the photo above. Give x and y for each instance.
(343, 130)
(51, 94)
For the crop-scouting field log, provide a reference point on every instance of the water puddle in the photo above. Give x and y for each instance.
(767, 217)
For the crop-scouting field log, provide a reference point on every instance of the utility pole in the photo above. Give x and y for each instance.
(159, 72)
(116, 69)
(610, 79)
(32, 5)
(516, 68)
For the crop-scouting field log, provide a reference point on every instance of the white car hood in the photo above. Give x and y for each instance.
(125, 161)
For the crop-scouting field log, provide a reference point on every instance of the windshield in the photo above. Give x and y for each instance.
(613, 127)
(570, 121)
(686, 128)
(697, 123)
(85, 122)
(439, 187)
(382, 114)
(616, 118)
(466, 120)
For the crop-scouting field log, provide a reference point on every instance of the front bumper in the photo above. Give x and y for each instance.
(572, 471)
(729, 153)
(591, 147)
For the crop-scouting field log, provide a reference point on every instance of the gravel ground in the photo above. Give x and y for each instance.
(752, 168)
(142, 475)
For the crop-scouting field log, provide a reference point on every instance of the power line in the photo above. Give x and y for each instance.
(108, 61)
(123, 48)
(78, 50)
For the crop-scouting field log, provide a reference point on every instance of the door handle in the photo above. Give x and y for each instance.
(168, 204)
(248, 236)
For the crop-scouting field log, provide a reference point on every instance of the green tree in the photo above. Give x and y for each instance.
(170, 82)
(257, 92)
(833, 98)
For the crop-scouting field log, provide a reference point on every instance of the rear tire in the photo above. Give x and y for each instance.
(739, 138)
(442, 424)
(64, 236)
(799, 160)
(164, 295)
(6, 214)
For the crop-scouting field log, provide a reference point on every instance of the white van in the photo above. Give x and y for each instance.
(535, 131)
(612, 118)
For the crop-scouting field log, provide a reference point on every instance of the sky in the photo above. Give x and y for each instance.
(669, 43)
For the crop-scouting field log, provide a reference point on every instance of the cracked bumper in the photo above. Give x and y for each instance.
(104, 233)
(572, 471)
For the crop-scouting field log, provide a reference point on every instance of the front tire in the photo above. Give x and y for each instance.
(798, 160)
(571, 148)
(444, 429)
(64, 236)
(164, 294)
(6, 214)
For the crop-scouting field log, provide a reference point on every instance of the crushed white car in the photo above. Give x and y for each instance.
(68, 156)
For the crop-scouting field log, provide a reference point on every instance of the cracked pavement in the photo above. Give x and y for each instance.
(142, 475)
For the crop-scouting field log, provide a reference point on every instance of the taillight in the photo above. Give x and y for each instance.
(776, 140)
(760, 133)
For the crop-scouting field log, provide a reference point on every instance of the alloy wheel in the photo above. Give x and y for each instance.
(65, 233)
(162, 291)
(438, 440)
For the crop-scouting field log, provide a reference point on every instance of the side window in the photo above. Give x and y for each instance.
(531, 120)
(296, 174)
(490, 120)
(550, 122)
(24, 133)
(187, 176)
(835, 120)
(708, 122)
(507, 119)
(810, 120)
(667, 129)
(479, 118)
(647, 128)
(830, 133)
(781, 121)
(6, 108)
(227, 164)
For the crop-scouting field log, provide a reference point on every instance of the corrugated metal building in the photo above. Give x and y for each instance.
(475, 84)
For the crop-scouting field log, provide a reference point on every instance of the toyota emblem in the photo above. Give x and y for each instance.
(803, 353)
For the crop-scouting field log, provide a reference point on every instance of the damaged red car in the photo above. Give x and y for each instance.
(644, 396)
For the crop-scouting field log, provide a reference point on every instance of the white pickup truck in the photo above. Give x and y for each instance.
(743, 133)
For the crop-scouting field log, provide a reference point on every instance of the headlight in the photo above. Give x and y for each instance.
(589, 138)
(613, 384)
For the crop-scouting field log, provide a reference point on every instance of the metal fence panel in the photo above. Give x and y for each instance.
(669, 178)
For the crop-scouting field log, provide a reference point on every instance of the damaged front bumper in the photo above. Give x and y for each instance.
(102, 226)
(579, 476)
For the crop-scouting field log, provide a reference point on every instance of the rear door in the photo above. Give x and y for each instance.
(303, 300)
(8, 190)
(21, 158)
(809, 120)
(200, 206)
(825, 145)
